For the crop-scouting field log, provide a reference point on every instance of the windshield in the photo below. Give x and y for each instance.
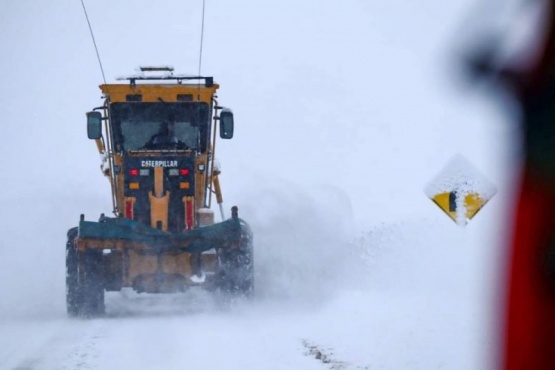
(144, 126)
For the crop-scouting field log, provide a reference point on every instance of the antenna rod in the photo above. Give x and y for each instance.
(94, 41)
(201, 38)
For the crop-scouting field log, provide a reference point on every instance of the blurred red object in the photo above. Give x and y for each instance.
(530, 319)
(529, 312)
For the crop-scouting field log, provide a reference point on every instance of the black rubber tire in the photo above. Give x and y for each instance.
(84, 289)
(74, 294)
(236, 269)
(92, 284)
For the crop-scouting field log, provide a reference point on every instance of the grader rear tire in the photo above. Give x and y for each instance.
(74, 294)
(236, 269)
(84, 280)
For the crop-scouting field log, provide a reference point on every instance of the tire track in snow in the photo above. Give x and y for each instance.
(74, 347)
(326, 357)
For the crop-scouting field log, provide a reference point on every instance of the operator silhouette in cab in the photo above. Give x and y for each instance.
(165, 138)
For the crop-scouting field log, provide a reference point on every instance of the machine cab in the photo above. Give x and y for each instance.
(158, 144)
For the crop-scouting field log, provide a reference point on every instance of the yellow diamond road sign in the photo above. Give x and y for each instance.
(460, 190)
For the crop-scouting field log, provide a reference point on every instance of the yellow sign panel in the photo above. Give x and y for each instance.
(460, 190)
(460, 207)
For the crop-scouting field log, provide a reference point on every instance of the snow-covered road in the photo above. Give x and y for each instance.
(401, 296)
(356, 331)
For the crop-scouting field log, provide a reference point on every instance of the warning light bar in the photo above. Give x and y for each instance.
(156, 68)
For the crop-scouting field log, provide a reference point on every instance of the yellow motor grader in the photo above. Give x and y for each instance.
(156, 133)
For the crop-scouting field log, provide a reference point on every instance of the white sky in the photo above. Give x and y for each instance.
(351, 95)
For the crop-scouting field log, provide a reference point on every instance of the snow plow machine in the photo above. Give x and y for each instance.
(156, 133)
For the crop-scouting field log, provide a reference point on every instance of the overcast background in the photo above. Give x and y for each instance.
(344, 111)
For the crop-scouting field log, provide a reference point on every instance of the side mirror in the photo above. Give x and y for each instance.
(94, 125)
(226, 124)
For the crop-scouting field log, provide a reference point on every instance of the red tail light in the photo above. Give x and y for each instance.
(184, 172)
(134, 172)
(189, 213)
(129, 209)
